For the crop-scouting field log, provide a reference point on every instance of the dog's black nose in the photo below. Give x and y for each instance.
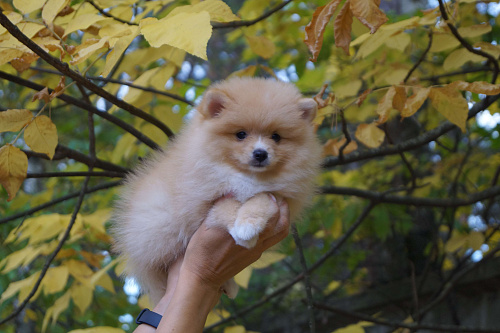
(260, 155)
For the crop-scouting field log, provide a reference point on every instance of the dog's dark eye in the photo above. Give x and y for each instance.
(241, 135)
(276, 137)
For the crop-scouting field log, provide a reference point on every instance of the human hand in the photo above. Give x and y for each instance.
(213, 256)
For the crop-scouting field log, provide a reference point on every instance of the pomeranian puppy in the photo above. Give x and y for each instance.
(249, 137)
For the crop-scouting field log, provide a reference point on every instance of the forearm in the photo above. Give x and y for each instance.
(189, 306)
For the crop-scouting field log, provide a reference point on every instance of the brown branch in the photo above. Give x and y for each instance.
(46, 266)
(125, 83)
(63, 152)
(394, 324)
(422, 57)
(58, 200)
(247, 23)
(65, 70)
(413, 201)
(466, 44)
(111, 174)
(307, 282)
(410, 144)
(82, 105)
(103, 13)
(347, 136)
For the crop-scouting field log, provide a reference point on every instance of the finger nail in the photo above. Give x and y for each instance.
(273, 198)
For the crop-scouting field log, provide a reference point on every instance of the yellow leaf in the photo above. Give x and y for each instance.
(261, 46)
(384, 107)
(87, 49)
(371, 43)
(399, 41)
(124, 148)
(442, 42)
(52, 8)
(342, 27)
(187, 31)
(456, 242)
(216, 315)
(161, 77)
(55, 280)
(235, 329)
(14, 119)
(19, 258)
(355, 328)
(243, 277)
(370, 135)
(350, 88)
(478, 87)
(368, 13)
(97, 219)
(134, 94)
(334, 285)
(41, 135)
(80, 271)
(82, 22)
(99, 329)
(268, 258)
(17, 286)
(28, 6)
(332, 147)
(475, 240)
(218, 10)
(60, 305)
(155, 133)
(415, 101)
(102, 278)
(395, 76)
(13, 169)
(82, 296)
(460, 57)
(247, 71)
(120, 46)
(474, 30)
(451, 104)
(315, 29)
(144, 302)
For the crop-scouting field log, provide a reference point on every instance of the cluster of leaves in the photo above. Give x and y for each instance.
(398, 116)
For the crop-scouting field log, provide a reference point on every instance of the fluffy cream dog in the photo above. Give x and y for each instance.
(249, 137)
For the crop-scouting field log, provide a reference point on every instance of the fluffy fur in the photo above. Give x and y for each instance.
(167, 198)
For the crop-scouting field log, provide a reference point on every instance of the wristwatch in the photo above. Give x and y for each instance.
(148, 317)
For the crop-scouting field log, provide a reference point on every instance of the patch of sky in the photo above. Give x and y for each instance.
(185, 71)
(487, 120)
(190, 94)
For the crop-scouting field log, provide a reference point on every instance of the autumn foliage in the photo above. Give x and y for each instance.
(409, 189)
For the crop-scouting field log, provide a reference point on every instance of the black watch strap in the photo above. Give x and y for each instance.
(148, 317)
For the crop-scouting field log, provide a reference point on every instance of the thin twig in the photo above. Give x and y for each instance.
(103, 13)
(422, 57)
(466, 44)
(411, 326)
(307, 282)
(247, 23)
(346, 135)
(58, 200)
(413, 201)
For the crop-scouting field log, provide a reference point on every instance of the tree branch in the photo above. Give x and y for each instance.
(63, 152)
(307, 282)
(45, 268)
(125, 83)
(90, 108)
(247, 23)
(65, 70)
(393, 324)
(413, 201)
(58, 200)
(466, 44)
(103, 13)
(112, 174)
(422, 57)
(411, 143)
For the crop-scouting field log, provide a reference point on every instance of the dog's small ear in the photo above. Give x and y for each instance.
(308, 107)
(213, 102)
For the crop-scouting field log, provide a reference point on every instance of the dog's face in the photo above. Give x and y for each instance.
(256, 133)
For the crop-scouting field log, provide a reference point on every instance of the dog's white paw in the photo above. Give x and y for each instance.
(245, 234)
